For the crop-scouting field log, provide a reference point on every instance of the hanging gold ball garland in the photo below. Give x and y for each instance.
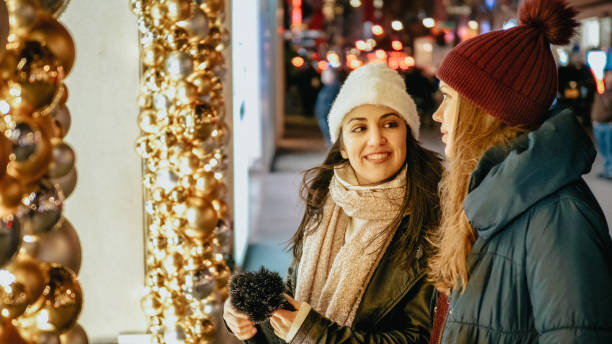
(182, 144)
(40, 252)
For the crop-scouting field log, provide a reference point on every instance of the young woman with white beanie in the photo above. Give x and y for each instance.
(359, 274)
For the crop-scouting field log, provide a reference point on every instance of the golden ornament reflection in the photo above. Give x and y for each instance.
(182, 142)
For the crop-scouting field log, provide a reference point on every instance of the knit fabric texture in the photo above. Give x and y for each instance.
(511, 73)
(333, 274)
(373, 84)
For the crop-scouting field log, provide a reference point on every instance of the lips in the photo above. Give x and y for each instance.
(378, 157)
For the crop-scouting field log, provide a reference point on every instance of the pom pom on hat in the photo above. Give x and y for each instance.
(373, 84)
(554, 18)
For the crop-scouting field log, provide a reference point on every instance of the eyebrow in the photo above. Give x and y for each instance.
(389, 115)
(381, 117)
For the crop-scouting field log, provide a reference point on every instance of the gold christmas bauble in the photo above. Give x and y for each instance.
(201, 218)
(59, 305)
(31, 273)
(153, 55)
(178, 9)
(206, 185)
(221, 208)
(54, 35)
(14, 299)
(151, 305)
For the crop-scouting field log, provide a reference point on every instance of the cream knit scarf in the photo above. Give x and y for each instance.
(333, 274)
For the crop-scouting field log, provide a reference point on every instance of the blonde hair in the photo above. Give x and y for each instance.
(474, 132)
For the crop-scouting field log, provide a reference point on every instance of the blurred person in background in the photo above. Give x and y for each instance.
(601, 115)
(577, 87)
(331, 79)
(523, 253)
(359, 269)
(422, 88)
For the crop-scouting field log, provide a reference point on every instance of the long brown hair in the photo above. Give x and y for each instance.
(421, 199)
(474, 132)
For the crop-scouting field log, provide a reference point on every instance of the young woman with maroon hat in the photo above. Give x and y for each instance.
(523, 250)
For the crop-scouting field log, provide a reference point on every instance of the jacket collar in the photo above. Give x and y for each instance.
(391, 280)
(509, 179)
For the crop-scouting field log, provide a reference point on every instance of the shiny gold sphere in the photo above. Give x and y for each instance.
(22, 15)
(178, 9)
(11, 191)
(221, 208)
(206, 185)
(55, 36)
(53, 7)
(201, 80)
(186, 93)
(197, 25)
(61, 303)
(201, 218)
(158, 13)
(34, 78)
(187, 163)
(14, 299)
(173, 263)
(213, 6)
(9, 334)
(177, 195)
(144, 101)
(32, 274)
(151, 305)
(147, 121)
(153, 55)
(36, 165)
(176, 38)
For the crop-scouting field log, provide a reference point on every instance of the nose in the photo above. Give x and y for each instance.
(376, 137)
(437, 116)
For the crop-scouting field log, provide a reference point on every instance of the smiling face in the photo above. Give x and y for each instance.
(447, 115)
(374, 142)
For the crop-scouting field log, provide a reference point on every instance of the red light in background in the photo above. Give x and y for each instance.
(397, 45)
(361, 44)
(380, 54)
(322, 65)
(296, 13)
(297, 61)
(377, 30)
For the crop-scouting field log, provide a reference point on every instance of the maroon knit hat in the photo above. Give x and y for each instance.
(511, 73)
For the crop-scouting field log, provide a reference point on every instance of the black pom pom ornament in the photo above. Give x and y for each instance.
(258, 294)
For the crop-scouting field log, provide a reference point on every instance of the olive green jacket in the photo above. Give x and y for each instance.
(395, 307)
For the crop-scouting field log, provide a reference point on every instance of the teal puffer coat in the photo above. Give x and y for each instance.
(541, 268)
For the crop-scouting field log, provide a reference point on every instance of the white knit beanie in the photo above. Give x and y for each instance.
(373, 84)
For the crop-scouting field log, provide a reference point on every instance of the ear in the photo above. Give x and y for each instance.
(343, 152)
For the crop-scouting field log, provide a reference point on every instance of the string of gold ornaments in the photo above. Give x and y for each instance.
(40, 252)
(182, 146)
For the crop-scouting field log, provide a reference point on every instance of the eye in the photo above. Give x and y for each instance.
(391, 124)
(358, 129)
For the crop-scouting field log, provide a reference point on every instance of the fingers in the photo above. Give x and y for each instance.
(296, 304)
(228, 308)
(247, 334)
(280, 329)
(282, 313)
(239, 323)
(242, 330)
